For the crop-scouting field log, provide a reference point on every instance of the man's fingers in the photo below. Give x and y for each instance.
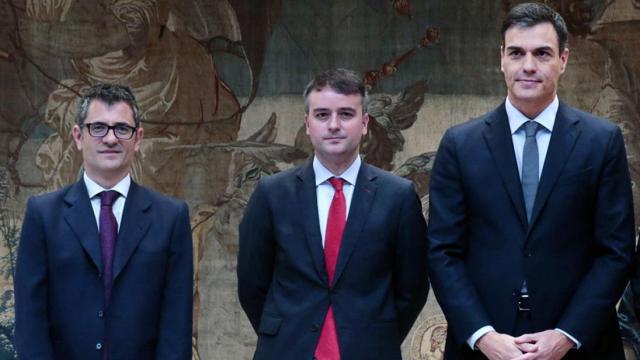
(526, 338)
(527, 347)
(527, 356)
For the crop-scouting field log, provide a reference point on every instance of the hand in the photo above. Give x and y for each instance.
(498, 346)
(547, 345)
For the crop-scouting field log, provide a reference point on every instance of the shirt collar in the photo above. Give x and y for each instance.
(323, 174)
(546, 118)
(122, 187)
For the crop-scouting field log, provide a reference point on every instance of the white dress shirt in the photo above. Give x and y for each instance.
(94, 190)
(325, 191)
(547, 119)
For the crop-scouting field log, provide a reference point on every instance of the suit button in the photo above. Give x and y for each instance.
(98, 346)
(100, 313)
(315, 327)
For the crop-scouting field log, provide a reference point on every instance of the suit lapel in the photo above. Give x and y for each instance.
(498, 137)
(308, 207)
(136, 220)
(79, 216)
(563, 139)
(361, 202)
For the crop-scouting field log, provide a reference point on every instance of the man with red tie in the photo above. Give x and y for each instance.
(332, 260)
(105, 267)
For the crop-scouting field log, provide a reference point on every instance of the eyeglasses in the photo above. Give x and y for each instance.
(121, 131)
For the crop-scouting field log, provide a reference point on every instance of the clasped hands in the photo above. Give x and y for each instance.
(544, 345)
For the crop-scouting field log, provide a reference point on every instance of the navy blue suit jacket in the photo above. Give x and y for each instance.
(58, 287)
(380, 283)
(575, 255)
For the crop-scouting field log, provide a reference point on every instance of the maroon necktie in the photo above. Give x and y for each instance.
(327, 348)
(108, 233)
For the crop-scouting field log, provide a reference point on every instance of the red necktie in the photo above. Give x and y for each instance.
(327, 348)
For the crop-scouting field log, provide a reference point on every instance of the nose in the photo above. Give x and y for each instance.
(529, 64)
(110, 137)
(334, 122)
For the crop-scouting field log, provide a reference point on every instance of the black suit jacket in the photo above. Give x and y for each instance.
(380, 282)
(58, 287)
(576, 253)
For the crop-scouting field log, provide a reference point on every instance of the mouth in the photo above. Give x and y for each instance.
(528, 81)
(109, 152)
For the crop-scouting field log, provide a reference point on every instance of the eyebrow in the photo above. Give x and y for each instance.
(114, 124)
(339, 109)
(513, 47)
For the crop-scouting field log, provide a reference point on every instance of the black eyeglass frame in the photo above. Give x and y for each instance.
(131, 129)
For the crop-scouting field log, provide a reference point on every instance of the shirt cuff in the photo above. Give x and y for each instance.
(575, 341)
(478, 334)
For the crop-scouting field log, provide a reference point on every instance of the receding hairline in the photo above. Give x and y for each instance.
(340, 80)
(330, 88)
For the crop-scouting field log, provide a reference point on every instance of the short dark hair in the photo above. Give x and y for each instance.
(342, 81)
(531, 14)
(109, 94)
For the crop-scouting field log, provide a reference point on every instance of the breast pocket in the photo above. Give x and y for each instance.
(575, 177)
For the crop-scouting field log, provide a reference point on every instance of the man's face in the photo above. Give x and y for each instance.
(532, 65)
(335, 125)
(107, 157)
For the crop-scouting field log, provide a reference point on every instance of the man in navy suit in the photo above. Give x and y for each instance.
(332, 253)
(104, 265)
(531, 234)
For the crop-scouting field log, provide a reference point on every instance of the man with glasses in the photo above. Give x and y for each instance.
(105, 265)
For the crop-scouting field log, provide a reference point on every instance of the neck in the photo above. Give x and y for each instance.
(337, 166)
(106, 182)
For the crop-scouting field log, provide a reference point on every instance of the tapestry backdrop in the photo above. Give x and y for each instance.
(219, 83)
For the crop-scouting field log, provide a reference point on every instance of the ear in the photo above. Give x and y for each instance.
(501, 57)
(564, 58)
(76, 133)
(306, 123)
(138, 138)
(365, 123)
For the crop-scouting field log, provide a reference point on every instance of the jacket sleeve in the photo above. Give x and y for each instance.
(602, 286)
(447, 245)
(255, 256)
(175, 325)
(32, 338)
(411, 283)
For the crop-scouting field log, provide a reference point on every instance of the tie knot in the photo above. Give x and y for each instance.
(337, 183)
(531, 128)
(107, 198)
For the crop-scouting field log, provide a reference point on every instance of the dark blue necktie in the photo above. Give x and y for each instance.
(108, 234)
(530, 166)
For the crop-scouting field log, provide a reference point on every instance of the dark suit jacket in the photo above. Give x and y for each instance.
(576, 254)
(58, 287)
(380, 282)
